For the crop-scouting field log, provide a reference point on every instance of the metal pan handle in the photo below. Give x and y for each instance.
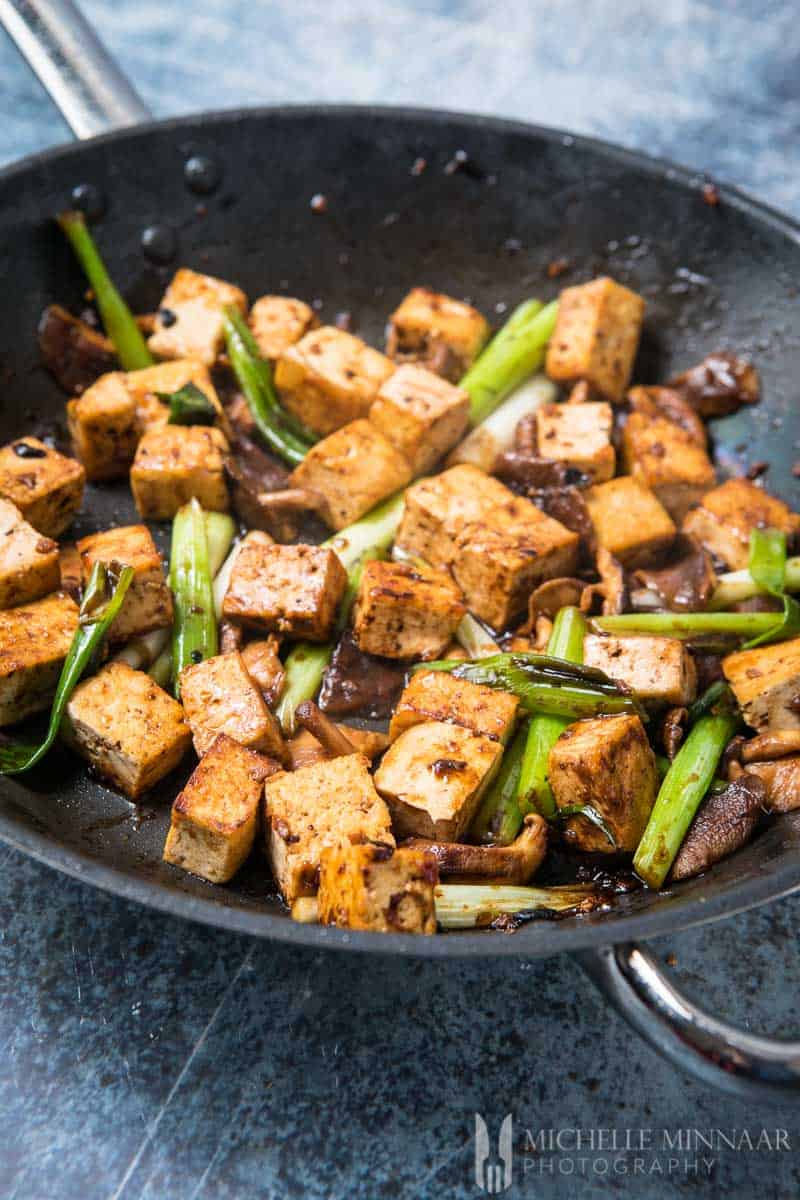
(720, 1054)
(70, 60)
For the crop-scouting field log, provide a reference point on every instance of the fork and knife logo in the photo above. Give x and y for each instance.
(493, 1174)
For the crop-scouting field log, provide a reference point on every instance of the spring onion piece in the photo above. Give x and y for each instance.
(189, 406)
(691, 625)
(102, 601)
(194, 634)
(688, 779)
(220, 530)
(475, 639)
(496, 434)
(471, 905)
(161, 670)
(717, 694)
(140, 652)
(516, 352)
(117, 318)
(767, 562)
(735, 586)
(499, 818)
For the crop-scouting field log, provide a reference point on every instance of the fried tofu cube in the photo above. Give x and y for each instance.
(727, 516)
(596, 337)
(219, 696)
(329, 378)
(377, 887)
(578, 435)
(126, 727)
(404, 611)
(606, 763)
(264, 666)
(657, 669)
(150, 383)
(277, 322)
(175, 463)
(437, 331)
(103, 426)
(286, 589)
(630, 522)
(432, 778)
(439, 696)
(436, 510)
(668, 460)
(29, 566)
(34, 641)
(766, 683)
(421, 414)
(148, 602)
(189, 320)
(352, 470)
(781, 778)
(318, 806)
(214, 818)
(47, 487)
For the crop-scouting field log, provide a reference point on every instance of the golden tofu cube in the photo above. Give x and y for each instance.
(630, 522)
(727, 516)
(443, 334)
(439, 696)
(264, 666)
(103, 426)
(404, 611)
(432, 778)
(29, 566)
(286, 589)
(318, 806)
(189, 319)
(658, 669)
(214, 818)
(329, 378)
(126, 727)
(377, 887)
(148, 602)
(277, 322)
(34, 641)
(596, 337)
(352, 470)
(218, 696)
(149, 383)
(578, 435)
(766, 683)
(607, 764)
(175, 463)
(421, 414)
(668, 460)
(781, 778)
(47, 487)
(436, 510)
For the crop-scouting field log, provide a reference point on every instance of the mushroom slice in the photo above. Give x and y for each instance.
(514, 864)
(725, 822)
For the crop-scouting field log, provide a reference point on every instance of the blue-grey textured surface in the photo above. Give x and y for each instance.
(142, 1057)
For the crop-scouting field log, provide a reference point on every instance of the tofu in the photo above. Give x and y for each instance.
(378, 888)
(629, 521)
(148, 602)
(126, 727)
(766, 683)
(606, 763)
(175, 463)
(439, 696)
(352, 470)
(29, 565)
(165, 378)
(404, 611)
(189, 319)
(277, 322)
(667, 460)
(578, 435)
(596, 337)
(264, 666)
(781, 778)
(34, 641)
(728, 515)
(47, 487)
(443, 334)
(218, 696)
(330, 378)
(214, 819)
(286, 589)
(319, 806)
(432, 778)
(421, 414)
(659, 670)
(103, 426)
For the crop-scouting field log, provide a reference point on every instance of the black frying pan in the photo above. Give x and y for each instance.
(713, 276)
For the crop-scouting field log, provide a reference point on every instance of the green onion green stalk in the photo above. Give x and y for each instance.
(194, 635)
(499, 818)
(513, 354)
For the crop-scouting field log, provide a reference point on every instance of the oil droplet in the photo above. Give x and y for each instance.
(159, 244)
(202, 174)
(89, 200)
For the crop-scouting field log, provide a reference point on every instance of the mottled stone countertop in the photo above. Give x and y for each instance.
(144, 1057)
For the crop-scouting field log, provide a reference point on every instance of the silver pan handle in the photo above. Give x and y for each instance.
(70, 60)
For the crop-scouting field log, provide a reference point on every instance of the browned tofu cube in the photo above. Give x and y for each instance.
(596, 337)
(607, 764)
(668, 460)
(148, 602)
(729, 514)
(437, 510)
(404, 611)
(578, 435)
(441, 333)
(126, 727)
(321, 805)
(175, 463)
(352, 470)
(47, 487)
(277, 322)
(439, 696)
(766, 683)
(658, 669)
(630, 522)
(329, 378)
(29, 566)
(34, 641)
(421, 414)
(781, 778)
(189, 320)
(150, 383)
(214, 818)
(264, 666)
(378, 887)
(286, 589)
(103, 427)
(219, 696)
